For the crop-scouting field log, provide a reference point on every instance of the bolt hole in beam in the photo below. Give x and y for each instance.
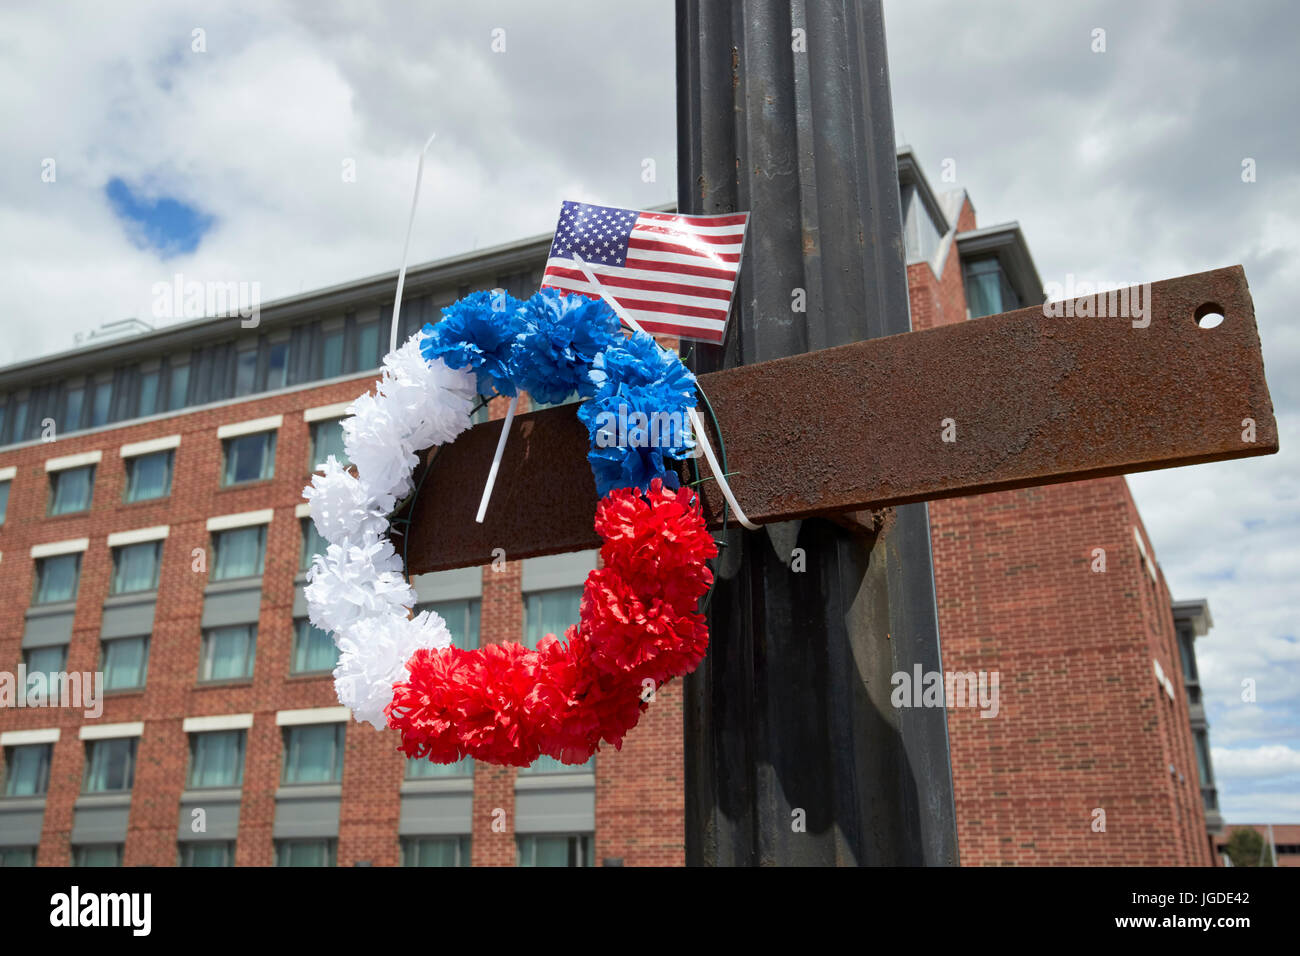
(1209, 316)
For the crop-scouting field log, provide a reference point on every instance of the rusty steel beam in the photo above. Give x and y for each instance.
(1034, 400)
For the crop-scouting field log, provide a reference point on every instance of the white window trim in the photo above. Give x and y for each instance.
(111, 731)
(312, 715)
(18, 738)
(199, 725)
(9, 473)
(303, 510)
(165, 443)
(325, 412)
(244, 519)
(55, 548)
(140, 535)
(74, 461)
(235, 430)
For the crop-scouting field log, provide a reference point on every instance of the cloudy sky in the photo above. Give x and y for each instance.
(217, 144)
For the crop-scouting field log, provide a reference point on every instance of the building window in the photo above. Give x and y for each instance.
(920, 232)
(73, 402)
(417, 768)
(435, 851)
(70, 490)
(216, 759)
(227, 653)
(313, 543)
(576, 849)
(17, 856)
(313, 753)
(178, 387)
(277, 366)
(101, 403)
(125, 663)
(368, 354)
(314, 651)
(988, 290)
(110, 765)
(56, 578)
(148, 476)
(239, 553)
(462, 619)
(326, 440)
(332, 353)
(135, 567)
(44, 660)
(4, 500)
(246, 371)
(249, 458)
(215, 853)
(304, 852)
(550, 612)
(148, 404)
(27, 770)
(99, 854)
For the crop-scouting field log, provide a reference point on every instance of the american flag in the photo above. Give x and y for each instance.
(673, 274)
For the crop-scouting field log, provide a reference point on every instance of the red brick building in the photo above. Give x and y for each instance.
(152, 533)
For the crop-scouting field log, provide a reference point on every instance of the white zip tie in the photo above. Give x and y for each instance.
(696, 422)
(406, 246)
(496, 459)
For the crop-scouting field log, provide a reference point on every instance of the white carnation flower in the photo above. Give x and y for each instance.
(373, 659)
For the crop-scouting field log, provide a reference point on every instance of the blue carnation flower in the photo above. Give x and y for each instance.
(560, 339)
(637, 417)
(478, 332)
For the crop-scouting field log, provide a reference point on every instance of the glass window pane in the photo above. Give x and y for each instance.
(70, 490)
(240, 553)
(436, 851)
(314, 754)
(228, 653)
(56, 578)
(462, 619)
(148, 394)
(368, 346)
(304, 853)
(245, 372)
(420, 769)
(249, 458)
(314, 650)
(216, 853)
(180, 386)
(149, 476)
(18, 856)
(313, 543)
(277, 366)
(326, 440)
(217, 759)
(135, 567)
(43, 660)
(332, 354)
(550, 612)
(126, 663)
(108, 854)
(73, 399)
(101, 402)
(110, 765)
(4, 500)
(27, 770)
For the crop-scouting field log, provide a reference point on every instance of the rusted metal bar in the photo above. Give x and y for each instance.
(1031, 400)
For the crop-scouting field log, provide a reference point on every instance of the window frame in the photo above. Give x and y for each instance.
(93, 745)
(42, 770)
(298, 636)
(116, 555)
(191, 762)
(331, 848)
(266, 472)
(131, 463)
(586, 842)
(39, 577)
(409, 846)
(290, 754)
(215, 539)
(250, 654)
(144, 663)
(185, 851)
(58, 476)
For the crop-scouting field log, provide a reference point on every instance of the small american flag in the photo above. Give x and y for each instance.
(674, 274)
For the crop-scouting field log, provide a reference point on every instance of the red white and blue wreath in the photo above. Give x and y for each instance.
(639, 623)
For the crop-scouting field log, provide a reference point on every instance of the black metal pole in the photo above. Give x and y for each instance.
(794, 754)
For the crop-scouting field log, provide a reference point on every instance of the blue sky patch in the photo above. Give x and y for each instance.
(165, 225)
